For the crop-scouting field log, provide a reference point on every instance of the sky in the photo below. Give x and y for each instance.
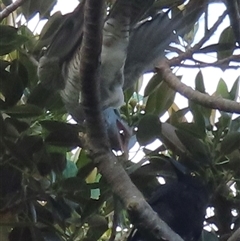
(65, 6)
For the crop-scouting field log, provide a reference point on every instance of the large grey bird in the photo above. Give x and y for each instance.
(129, 49)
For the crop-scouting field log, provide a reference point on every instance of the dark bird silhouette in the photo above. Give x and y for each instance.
(181, 204)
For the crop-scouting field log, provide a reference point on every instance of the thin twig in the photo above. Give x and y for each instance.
(220, 63)
(223, 66)
(10, 8)
(189, 53)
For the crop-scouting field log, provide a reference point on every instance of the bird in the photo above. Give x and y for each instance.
(130, 48)
(180, 203)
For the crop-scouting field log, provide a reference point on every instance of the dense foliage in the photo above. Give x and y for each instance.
(49, 187)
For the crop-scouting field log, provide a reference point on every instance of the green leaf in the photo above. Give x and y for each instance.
(30, 144)
(11, 180)
(21, 126)
(30, 67)
(160, 100)
(10, 40)
(13, 82)
(74, 184)
(3, 127)
(18, 69)
(230, 142)
(153, 84)
(128, 94)
(61, 134)
(43, 161)
(58, 161)
(235, 125)
(63, 138)
(50, 235)
(178, 116)
(224, 121)
(151, 103)
(92, 207)
(39, 96)
(8, 129)
(222, 89)
(18, 153)
(234, 160)
(196, 147)
(60, 209)
(75, 189)
(48, 99)
(169, 137)
(227, 37)
(199, 83)
(32, 40)
(234, 92)
(26, 233)
(148, 129)
(198, 116)
(24, 111)
(83, 159)
(98, 225)
(190, 36)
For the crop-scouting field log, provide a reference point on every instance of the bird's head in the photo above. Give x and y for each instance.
(118, 130)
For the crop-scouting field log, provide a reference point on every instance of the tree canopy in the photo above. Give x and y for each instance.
(53, 184)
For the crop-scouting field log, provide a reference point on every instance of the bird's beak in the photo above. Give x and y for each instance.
(125, 133)
(118, 131)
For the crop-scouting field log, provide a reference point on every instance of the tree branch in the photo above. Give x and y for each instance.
(219, 64)
(89, 74)
(213, 102)
(98, 143)
(10, 8)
